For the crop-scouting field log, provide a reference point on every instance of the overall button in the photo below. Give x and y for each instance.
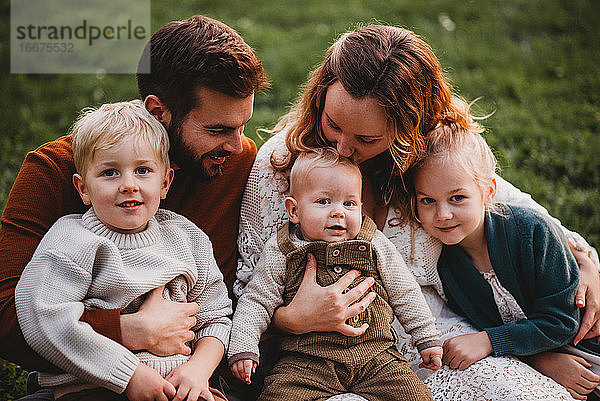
(337, 269)
(355, 319)
(362, 248)
(336, 252)
(295, 256)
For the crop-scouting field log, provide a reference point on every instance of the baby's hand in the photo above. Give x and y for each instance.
(146, 383)
(243, 369)
(432, 358)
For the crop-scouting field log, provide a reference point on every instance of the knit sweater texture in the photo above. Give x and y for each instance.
(265, 292)
(43, 192)
(81, 264)
(532, 260)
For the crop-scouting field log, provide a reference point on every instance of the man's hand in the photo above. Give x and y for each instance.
(432, 358)
(570, 371)
(316, 308)
(243, 369)
(460, 352)
(160, 326)
(147, 385)
(588, 293)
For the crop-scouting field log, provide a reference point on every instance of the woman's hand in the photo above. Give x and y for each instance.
(588, 293)
(570, 371)
(460, 352)
(316, 308)
(160, 326)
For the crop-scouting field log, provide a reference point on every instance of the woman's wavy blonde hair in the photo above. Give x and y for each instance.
(398, 69)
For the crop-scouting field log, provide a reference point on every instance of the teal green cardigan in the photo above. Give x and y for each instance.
(532, 260)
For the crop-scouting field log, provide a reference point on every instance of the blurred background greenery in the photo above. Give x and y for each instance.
(533, 63)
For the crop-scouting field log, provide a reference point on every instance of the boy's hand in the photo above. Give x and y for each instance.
(432, 358)
(191, 382)
(147, 384)
(461, 352)
(243, 369)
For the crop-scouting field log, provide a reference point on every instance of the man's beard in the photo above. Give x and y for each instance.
(185, 158)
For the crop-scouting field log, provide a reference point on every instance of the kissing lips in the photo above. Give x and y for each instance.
(447, 229)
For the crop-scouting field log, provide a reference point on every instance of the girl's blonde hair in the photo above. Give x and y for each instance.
(398, 69)
(102, 128)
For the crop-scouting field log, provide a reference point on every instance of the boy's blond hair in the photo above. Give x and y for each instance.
(102, 128)
(314, 158)
(454, 145)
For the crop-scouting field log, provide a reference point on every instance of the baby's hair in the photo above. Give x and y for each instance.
(104, 127)
(454, 145)
(314, 158)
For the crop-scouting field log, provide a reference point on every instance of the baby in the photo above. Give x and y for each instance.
(324, 208)
(110, 257)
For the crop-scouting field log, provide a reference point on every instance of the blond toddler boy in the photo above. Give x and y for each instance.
(123, 249)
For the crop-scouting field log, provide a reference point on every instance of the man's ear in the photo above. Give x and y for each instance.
(167, 183)
(158, 109)
(81, 188)
(291, 206)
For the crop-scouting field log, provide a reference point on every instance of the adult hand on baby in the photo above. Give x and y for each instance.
(243, 369)
(316, 308)
(160, 326)
(460, 352)
(588, 293)
(432, 358)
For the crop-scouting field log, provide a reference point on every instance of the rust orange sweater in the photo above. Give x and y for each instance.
(43, 192)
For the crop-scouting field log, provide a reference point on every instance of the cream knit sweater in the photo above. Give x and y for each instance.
(81, 264)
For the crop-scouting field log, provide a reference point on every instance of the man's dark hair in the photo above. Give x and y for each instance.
(197, 52)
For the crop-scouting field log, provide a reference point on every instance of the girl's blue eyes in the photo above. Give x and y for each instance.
(349, 203)
(109, 173)
(457, 198)
(453, 198)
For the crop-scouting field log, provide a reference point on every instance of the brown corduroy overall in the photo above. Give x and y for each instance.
(319, 365)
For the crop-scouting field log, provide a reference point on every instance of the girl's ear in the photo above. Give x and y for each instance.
(81, 188)
(492, 190)
(291, 206)
(167, 183)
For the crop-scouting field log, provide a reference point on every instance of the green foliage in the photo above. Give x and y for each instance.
(12, 381)
(533, 63)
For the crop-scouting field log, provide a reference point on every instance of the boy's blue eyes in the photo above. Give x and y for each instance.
(328, 201)
(142, 170)
(113, 172)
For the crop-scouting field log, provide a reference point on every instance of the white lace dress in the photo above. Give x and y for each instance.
(492, 378)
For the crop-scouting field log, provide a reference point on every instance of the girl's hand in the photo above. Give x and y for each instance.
(243, 369)
(570, 371)
(147, 384)
(316, 308)
(191, 382)
(588, 293)
(432, 358)
(460, 352)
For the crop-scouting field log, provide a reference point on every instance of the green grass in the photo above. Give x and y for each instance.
(535, 64)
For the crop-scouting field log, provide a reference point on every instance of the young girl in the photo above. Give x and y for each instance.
(506, 268)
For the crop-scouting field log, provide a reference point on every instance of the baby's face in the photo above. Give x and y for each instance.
(124, 184)
(328, 205)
